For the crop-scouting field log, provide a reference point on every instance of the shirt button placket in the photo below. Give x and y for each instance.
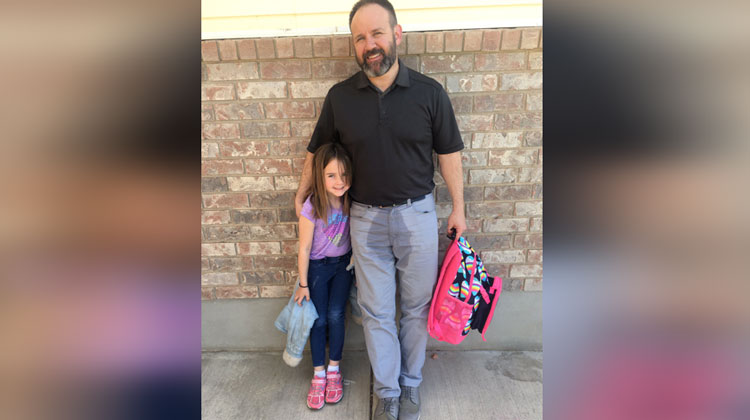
(381, 107)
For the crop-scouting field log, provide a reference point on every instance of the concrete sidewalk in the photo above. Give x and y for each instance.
(457, 384)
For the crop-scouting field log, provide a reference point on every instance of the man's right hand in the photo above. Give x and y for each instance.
(305, 183)
(298, 203)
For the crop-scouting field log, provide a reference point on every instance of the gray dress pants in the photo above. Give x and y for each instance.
(395, 248)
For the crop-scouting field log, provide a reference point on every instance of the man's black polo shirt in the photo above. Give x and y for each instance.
(390, 135)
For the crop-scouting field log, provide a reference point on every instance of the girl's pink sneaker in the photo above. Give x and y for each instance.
(334, 387)
(315, 398)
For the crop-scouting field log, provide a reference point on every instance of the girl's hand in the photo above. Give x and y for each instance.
(301, 293)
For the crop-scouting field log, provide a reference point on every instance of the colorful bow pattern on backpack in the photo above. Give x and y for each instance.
(462, 286)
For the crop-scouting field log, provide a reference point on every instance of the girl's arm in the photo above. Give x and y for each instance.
(306, 228)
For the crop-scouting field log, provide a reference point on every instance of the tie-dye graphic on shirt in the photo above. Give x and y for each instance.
(329, 239)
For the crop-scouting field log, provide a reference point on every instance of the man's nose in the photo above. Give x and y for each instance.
(370, 42)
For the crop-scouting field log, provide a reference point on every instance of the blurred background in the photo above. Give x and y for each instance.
(645, 303)
(647, 236)
(99, 230)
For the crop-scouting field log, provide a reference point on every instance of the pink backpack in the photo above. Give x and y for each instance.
(465, 296)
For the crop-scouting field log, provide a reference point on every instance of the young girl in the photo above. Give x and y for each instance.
(324, 253)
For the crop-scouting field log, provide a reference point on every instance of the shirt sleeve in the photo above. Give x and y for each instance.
(325, 129)
(445, 135)
(307, 210)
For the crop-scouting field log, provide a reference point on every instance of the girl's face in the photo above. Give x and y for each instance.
(336, 181)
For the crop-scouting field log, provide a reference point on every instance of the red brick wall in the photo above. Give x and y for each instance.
(260, 102)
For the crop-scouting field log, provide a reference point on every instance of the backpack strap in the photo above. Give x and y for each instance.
(497, 287)
(451, 259)
(485, 296)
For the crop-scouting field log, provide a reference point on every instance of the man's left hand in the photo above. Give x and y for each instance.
(457, 221)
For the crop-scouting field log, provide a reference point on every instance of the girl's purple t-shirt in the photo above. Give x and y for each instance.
(331, 240)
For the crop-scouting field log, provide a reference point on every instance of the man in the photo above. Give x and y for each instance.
(390, 119)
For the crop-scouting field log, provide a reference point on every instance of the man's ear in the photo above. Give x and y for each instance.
(398, 33)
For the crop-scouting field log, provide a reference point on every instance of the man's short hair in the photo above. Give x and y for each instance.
(385, 4)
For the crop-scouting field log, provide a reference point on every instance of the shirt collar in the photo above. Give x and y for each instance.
(402, 78)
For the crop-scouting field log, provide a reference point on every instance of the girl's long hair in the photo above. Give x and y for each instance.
(323, 156)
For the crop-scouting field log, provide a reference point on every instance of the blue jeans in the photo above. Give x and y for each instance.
(329, 284)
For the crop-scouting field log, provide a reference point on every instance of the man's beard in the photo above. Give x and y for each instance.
(385, 63)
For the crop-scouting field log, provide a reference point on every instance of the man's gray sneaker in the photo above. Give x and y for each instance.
(387, 409)
(409, 403)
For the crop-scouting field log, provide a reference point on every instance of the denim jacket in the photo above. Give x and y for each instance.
(296, 321)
